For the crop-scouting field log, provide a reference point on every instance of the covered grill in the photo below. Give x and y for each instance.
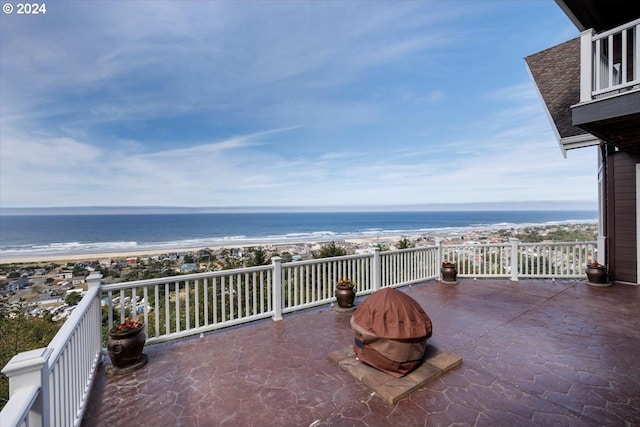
(391, 331)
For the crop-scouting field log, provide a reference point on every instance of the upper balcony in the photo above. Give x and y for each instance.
(590, 86)
(539, 347)
(609, 106)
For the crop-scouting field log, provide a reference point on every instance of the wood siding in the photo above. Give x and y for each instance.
(621, 215)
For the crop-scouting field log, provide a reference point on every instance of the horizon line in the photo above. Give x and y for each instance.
(424, 207)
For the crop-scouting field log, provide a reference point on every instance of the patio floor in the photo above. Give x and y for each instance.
(535, 352)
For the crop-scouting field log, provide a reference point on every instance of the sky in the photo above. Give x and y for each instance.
(282, 103)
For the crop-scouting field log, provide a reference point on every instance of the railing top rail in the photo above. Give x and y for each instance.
(178, 278)
(477, 245)
(16, 411)
(617, 87)
(407, 250)
(560, 243)
(617, 30)
(327, 259)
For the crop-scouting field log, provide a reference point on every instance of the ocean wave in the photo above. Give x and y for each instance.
(68, 248)
(321, 235)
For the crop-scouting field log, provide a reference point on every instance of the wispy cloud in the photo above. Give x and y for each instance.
(277, 103)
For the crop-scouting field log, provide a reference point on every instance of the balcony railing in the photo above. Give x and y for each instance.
(610, 61)
(50, 386)
(56, 380)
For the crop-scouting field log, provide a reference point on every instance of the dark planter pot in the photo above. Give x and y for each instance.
(597, 275)
(125, 349)
(449, 274)
(345, 295)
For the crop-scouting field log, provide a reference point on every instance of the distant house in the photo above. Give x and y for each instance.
(590, 87)
(49, 299)
(188, 267)
(65, 275)
(18, 284)
(78, 280)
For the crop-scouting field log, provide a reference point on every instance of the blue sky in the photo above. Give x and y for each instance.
(315, 104)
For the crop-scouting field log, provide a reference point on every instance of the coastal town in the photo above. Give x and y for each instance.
(50, 289)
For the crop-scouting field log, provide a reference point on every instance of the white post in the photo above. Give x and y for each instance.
(94, 279)
(277, 288)
(439, 259)
(376, 271)
(601, 239)
(514, 259)
(586, 65)
(601, 250)
(26, 369)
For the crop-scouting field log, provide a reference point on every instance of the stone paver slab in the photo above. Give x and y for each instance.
(393, 389)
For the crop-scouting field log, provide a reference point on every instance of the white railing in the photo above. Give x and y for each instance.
(174, 307)
(407, 266)
(17, 411)
(532, 260)
(610, 61)
(50, 386)
(555, 260)
(481, 261)
(57, 379)
(310, 283)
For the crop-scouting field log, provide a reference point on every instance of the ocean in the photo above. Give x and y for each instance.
(30, 236)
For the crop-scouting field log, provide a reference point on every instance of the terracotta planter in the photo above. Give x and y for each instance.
(597, 275)
(345, 295)
(449, 274)
(125, 349)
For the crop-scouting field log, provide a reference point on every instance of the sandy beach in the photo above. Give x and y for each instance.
(113, 255)
(61, 258)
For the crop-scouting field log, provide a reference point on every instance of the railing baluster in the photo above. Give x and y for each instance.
(167, 306)
(145, 308)
(254, 303)
(110, 308)
(610, 61)
(214, 295)
(624, 56)
(121, 301)
(187, 314)
(636, 53)
(134, 303)
(196, 301)
(156, 308)
(177, 305)
(223, 299)
(205, 299)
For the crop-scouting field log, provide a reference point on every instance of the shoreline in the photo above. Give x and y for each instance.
(25, 259)
(452, 233)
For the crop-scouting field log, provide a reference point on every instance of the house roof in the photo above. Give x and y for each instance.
(556, 72)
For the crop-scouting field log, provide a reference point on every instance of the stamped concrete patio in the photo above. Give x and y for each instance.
(534, 353)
